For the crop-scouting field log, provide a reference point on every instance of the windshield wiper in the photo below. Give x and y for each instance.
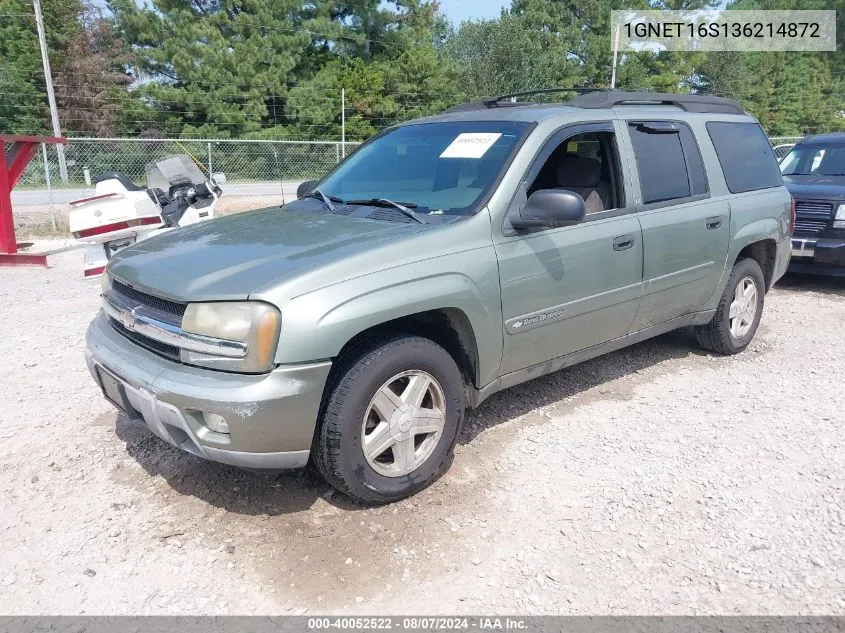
(327, 200)
(403, 207)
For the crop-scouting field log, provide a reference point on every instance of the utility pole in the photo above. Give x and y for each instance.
(48, 80)
(343, 122)
(615, 57)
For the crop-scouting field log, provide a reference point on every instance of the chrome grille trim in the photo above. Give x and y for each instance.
(812, 216)
(809, 226)
(813, 209)
(160, 326)
(141, 298)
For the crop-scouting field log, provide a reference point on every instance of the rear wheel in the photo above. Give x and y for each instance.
(738, 314)
(390, 420)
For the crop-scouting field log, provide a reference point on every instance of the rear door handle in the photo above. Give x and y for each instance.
(713, 223)
(623, 242)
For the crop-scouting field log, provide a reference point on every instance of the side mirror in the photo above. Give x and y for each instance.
(218, 178)
(548, 209)
(305, 187)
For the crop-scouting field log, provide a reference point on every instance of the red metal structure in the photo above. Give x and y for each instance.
(17, 157)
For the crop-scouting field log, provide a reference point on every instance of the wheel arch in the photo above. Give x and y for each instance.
(754, 240)
(764, 252)
(448, 327)
(457, 311)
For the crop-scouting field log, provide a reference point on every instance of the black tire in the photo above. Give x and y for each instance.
(716, 336)
(338, 451)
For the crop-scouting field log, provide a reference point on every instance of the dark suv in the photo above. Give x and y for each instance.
(814, 173)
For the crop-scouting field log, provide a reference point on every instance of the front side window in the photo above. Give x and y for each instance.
(586, 164)
(668, 161)
(437, 167)
(815, 159)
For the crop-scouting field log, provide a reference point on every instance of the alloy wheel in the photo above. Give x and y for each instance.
(403, 423)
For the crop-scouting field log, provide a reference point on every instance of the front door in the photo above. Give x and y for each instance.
(569, 288)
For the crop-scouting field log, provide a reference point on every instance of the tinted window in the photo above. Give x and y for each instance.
(745, 155)
(438, 167)
(695, 164)
(815, 158)
(662, 164)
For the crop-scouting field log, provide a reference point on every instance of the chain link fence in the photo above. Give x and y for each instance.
(259, 172)
(782, 144)
(243, 161)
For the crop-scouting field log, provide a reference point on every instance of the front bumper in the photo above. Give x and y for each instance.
(820, 256)
(271, 417)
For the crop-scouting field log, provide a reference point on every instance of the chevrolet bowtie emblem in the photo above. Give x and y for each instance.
(128, 320)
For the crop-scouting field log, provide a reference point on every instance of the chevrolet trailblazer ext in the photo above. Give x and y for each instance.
(444, 260)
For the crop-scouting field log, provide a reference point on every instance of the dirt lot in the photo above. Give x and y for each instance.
(655, 480)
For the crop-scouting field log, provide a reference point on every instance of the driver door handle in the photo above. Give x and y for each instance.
(623, 242)
(713, 223)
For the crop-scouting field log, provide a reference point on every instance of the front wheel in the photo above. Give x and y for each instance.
(739, 311)
(390, 420)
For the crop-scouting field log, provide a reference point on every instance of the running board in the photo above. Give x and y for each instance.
(477, 396)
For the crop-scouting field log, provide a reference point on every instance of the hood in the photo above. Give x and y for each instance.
(230, 257)
(816, 187)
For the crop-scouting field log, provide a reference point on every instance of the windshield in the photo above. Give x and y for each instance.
(173, 170)
(815, 159)
(438, 167)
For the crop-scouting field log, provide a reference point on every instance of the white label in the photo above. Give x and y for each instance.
(471, 145)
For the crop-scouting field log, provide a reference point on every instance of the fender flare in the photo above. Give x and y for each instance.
(759, 230)
(318, 325)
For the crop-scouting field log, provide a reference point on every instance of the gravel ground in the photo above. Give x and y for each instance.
(656, 480)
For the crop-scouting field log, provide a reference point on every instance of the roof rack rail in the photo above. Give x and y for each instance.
(688, 102)
(593, 98)
(508, 100)
(492, 102)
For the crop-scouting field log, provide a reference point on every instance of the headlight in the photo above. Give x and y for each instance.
(252, 323)
(839, 220)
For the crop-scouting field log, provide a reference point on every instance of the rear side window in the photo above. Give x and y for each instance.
(668, 161)
(745, 155)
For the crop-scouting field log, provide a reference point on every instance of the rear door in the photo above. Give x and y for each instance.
(685, 231)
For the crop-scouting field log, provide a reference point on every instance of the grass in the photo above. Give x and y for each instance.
(43, 228)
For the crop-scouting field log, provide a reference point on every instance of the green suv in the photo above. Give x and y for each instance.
(446, 259)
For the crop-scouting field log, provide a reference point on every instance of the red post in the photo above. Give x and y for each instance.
(14, 164)
(7, 225)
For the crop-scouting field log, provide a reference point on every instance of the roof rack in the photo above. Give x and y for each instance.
(688, 102)
(593, 98)
(509, 100)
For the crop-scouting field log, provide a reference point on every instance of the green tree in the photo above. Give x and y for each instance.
(215, 67)
(549, 43)
(389, 74)
(23, 107)
(506, 55)
(92, 79)
(791, 93)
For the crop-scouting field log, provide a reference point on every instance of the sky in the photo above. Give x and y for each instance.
(459, 10)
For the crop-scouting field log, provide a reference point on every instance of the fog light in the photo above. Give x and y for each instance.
(216, 423)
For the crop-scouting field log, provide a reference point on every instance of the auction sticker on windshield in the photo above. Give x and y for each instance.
(471, 145)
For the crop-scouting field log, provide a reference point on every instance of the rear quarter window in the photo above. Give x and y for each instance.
(745, 155)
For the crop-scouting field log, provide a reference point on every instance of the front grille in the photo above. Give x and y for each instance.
(157, 303)
(809, 226)
(811, 216)
(158, 347)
